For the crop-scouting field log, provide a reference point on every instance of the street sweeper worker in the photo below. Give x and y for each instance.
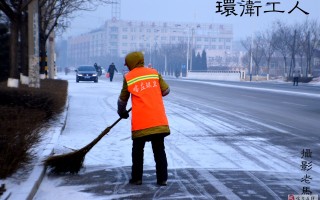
(149, 121)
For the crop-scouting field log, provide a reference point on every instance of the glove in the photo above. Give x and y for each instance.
(124, 114)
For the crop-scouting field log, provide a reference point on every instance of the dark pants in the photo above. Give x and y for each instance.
(157, 142)
(295, 81)
(111, 76)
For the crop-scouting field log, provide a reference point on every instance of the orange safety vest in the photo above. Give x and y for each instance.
(147, 104)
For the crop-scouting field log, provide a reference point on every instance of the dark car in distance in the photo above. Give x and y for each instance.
(86, 73)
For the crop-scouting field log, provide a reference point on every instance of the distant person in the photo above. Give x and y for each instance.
(296, 76)
(66, 70)
(95, 66)
(149, 121)
(98, 69)
(111, 70)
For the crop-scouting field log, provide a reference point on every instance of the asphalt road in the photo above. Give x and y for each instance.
(294, 112)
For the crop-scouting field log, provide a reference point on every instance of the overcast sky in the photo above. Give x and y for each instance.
(201, 11)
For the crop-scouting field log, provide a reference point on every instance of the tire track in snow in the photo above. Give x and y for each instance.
(206, 175)
(235, 147)
(281, 160)
(211, 179)
(159, 193)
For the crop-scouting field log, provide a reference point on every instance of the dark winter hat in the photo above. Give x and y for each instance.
(134, 59)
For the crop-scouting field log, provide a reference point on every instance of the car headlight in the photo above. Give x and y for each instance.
(94, 74)
(79, 74)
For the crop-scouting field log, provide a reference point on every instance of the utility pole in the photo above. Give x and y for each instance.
(188, 52)
(191, 49)
(33, 44)
(251, 59)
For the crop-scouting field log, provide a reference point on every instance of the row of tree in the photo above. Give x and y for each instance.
(52, 15)
(297, 45)
(172, 59)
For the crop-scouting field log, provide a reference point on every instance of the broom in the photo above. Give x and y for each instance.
(73, 161)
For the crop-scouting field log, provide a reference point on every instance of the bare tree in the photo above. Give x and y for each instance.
(52, 13)
(300, 41)
(254, 46)
(312, 42)
(293, 50)
(268, 43)
(247, 44)
(282, 40)
(257, 51)
(55, 14)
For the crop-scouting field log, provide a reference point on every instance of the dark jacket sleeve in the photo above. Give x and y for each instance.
(124, 97)
(165, 90)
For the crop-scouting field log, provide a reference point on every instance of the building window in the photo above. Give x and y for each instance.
(113, 51)
(124, 37)
(113, 36)
(113, 29)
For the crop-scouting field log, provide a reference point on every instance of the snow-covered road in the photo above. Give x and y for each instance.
(209, 156)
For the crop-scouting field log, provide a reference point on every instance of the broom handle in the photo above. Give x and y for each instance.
(118, 120)
(104, 132)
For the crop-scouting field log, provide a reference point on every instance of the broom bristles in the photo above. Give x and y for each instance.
(70, 162)
(73, 161)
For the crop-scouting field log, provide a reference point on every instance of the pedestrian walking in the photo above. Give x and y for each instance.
(149, 121)
(296, 76)
(98, 69)
(111, 70)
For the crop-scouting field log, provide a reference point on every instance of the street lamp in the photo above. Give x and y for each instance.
(251, 60)
(192, 40)
(154, 41)
(188, 48)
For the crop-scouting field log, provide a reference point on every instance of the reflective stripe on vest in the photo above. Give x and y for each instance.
(147, 104)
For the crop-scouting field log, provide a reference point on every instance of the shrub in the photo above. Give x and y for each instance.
(24, 112)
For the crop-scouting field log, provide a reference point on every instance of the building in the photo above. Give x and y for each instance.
(118, 37)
